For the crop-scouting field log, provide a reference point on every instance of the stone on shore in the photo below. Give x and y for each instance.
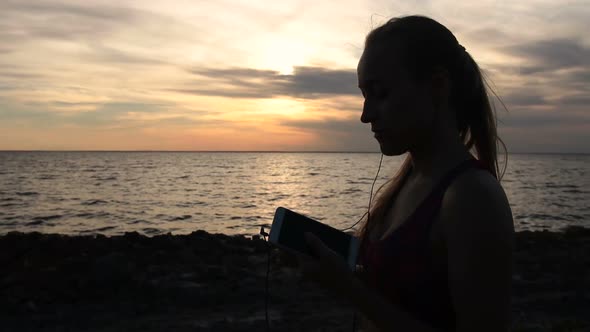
(215, 282)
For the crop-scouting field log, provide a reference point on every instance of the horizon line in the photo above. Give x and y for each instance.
(267, 151)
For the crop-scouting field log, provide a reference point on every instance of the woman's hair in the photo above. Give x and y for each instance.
(424, 46)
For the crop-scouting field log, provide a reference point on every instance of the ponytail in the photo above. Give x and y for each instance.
(476, 117)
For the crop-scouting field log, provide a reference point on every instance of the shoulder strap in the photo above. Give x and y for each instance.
(434, 201)
(441, 188)
(453, 173)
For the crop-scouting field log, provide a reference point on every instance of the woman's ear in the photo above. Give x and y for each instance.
(440, 87)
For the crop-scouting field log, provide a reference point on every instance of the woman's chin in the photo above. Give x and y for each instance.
(391, 150)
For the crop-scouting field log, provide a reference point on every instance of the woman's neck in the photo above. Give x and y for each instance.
(431, 160)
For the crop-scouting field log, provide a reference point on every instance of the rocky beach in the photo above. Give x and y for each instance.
(216, 282)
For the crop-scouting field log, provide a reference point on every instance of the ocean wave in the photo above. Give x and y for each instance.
(151, 230)
(560, 186)
(278, 197)
(138, 221)
(27, 193)
(42, 221)
(350, 191)
(11, 204)
(94, 202)
(357, 182)
(102, 229)
(8, 223)
(539, 216)
(103, 178)
(575, 216)
(576, 191)
(50, 217)
(84, 214)
(184, 217)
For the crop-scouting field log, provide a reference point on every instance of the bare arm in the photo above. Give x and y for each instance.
(479, 229)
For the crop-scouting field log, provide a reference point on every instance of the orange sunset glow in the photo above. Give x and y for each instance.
(261, 75)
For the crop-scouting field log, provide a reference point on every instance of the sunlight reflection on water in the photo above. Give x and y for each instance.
(235, 193)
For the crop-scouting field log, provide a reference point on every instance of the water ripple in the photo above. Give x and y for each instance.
(156, 193)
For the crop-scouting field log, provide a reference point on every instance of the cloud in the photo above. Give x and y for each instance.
(551, 54)
(580, 101)
(337, 135)
(344, 126)
(535, 119)
(55, 20)
(306, 82)
(547, 139)
(64, 63)
(103, 54)
(92, 33)
(524, 99)
(579, 77)
(18, 73)
(103, 115)
(6, 87)
(549, 90)
(492, 35)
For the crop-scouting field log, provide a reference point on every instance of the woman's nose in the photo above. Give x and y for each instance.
(368, 114)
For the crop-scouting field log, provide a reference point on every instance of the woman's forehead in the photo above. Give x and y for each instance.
(378, 64)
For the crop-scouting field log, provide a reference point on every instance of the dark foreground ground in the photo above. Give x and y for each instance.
(214, 282)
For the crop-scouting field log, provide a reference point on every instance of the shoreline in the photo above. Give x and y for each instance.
(216, 282)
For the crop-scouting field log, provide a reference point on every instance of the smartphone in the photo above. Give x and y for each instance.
(288, 229)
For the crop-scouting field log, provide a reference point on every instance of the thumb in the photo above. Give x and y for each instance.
(311, 240)
(315, 244)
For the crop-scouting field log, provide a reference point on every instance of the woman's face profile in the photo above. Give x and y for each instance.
(399, 111)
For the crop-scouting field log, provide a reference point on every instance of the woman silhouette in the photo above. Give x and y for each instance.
(437, 245)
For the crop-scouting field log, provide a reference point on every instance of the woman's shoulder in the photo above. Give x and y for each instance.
(476, 199)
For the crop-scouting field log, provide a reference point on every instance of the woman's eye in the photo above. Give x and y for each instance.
(374, 92)
(378, 92)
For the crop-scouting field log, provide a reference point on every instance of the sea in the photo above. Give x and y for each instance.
(154, 193)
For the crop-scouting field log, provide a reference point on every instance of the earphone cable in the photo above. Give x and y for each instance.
(368, 214)
(266, 292)
(370, 196)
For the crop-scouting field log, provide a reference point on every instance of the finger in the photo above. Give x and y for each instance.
(324, 253)
(311, 239)
(287, 258)
(318, 246)
(302, 259)
(307, 265)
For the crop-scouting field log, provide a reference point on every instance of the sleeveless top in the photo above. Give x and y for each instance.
(401, 266)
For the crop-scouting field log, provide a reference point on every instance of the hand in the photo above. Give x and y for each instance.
(329, 269)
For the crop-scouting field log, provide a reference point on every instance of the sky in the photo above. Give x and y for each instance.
(247, 75)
